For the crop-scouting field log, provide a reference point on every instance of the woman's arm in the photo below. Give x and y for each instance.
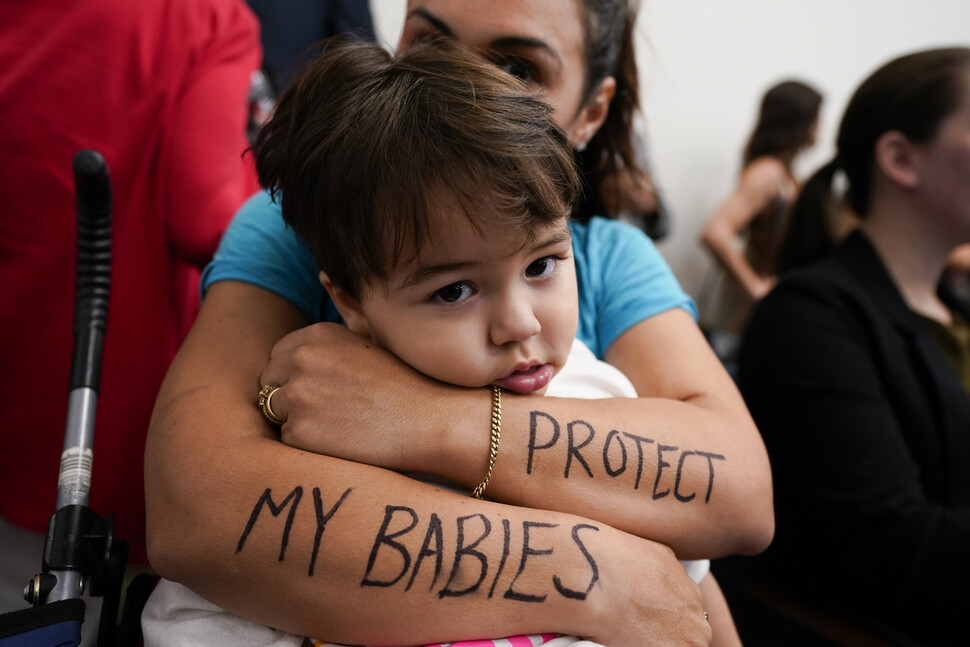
(757, 188)
(281, 535)
(710, 416)
(683, 465)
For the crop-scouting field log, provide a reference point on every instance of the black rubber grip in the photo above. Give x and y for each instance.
(92, 185)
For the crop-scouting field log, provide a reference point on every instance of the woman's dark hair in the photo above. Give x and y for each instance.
(912, 94)
(788, 114)
(608, 26)
(364, 148)
(808, 235)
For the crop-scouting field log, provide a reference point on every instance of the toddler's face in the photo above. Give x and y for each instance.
(478, 308)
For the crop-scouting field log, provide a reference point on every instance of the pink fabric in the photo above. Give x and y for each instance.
(515, 641)
(520, 641)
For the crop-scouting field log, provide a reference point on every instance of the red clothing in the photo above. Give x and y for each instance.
(160, 88)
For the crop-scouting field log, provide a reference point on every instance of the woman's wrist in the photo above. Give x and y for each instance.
(458, 434)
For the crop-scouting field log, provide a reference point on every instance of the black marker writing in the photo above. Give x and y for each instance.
(462, 551)
(638, 440)
(710, 470)
(266, 499)
(396, 548)
(574, 448)
(544, 435)
(680, 466)
(534, 431)
(433, 534)
(661, 464)
(527, 550)
(322, 519)
(606, 454)
(507, 534)
(570, 593)
(387, 539)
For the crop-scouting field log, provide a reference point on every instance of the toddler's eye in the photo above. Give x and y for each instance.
(454, 293)
(541, 266)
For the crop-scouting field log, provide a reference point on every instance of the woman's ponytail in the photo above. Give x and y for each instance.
(809, 235)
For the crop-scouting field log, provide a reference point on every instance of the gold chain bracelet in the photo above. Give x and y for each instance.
(495, 439)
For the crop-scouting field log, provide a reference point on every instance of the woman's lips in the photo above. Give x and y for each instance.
(528, 380)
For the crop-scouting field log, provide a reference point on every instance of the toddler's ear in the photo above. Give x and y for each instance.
(348, 307)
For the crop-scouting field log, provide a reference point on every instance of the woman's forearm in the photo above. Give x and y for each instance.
(671, 471)
(668, 360)
(685, 467)
(360, 555)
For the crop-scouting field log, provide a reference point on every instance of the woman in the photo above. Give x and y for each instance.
(855, 367)
(758, 207)
(375, 410)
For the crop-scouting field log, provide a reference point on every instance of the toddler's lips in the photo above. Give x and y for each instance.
(530, 380)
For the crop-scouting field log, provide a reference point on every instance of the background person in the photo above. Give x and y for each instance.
(160, 89)
(855, 368)
(290, 28)
(632, 313)
(745, 232)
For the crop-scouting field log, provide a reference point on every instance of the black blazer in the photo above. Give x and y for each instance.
(868, 431)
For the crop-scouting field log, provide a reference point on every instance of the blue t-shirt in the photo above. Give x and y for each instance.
(622, 278)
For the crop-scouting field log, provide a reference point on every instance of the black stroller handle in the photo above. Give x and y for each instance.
(93, 284)
(93, 190)
(81, 553)
(79, 542)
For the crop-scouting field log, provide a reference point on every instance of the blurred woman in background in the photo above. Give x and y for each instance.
(745, 231)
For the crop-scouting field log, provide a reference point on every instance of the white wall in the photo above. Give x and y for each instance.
(705, 63)
(388, 18)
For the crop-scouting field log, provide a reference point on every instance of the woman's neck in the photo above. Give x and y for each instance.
(912, 253)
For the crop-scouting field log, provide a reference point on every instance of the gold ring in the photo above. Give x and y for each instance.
(265, 396)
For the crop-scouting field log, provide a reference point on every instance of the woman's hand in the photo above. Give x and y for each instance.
(343, 396)
(762, 287)
(651, 600)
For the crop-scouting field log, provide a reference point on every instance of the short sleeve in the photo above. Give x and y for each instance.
(259, 248)
(623, 280)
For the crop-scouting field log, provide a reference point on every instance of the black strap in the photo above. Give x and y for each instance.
(18, 622)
